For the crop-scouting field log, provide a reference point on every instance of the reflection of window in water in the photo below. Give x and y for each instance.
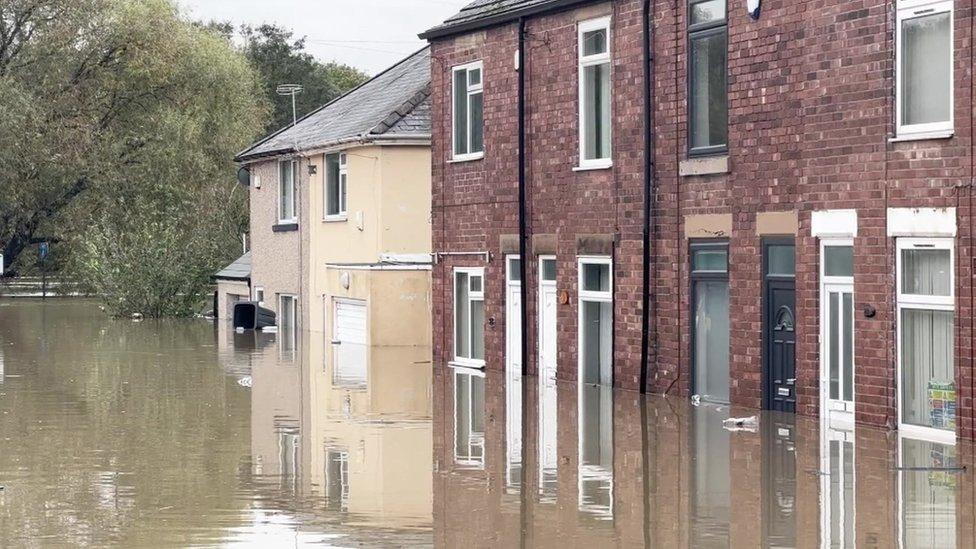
(337, 479)
(927, 498)
(837, 482)
(711, 486)
(596, 451)
(513, 432)
(469, 418)
(288, 446)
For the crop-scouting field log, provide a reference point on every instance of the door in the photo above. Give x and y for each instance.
(837, 358)
(513, 368)
(710, 314)
(349, 342)
(548, 464)
(779, 324)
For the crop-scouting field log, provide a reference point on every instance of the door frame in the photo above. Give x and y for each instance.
(767, 242)
(705, 276)
(827, 285)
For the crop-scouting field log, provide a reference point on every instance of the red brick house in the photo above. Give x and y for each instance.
(774, 212)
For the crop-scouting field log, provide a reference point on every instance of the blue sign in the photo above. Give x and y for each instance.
(43, 249)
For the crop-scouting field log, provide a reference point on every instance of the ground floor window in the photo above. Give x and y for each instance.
(259, 295)
(288, 322)
(710, 316)
(926, 327)
(469, 316)
(596, 320)
(469, 418)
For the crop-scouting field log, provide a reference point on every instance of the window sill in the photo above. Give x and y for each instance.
(285, 227)
(588, 167)
(946, 134)
(466, 158)
(467, 364)
(708, 165)
(335, 218)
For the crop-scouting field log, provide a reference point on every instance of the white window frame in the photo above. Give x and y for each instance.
(472, 296)
(925, 303)
(342, 210)
(828, 283)
(259, 295)
(591, 296)
(294, 191)
(479, 88)
(589, 61)
(292, 332)
(910, 9)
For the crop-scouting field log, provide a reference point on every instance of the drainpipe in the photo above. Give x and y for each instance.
(523, 233)
(648, 192)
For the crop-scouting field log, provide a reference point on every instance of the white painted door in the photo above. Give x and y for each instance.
(837, 353)
(547, 379)
(837, 488)
(349, 342)
(513, 368)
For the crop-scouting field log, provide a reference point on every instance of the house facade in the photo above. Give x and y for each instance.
(340, 222)
(770, 209)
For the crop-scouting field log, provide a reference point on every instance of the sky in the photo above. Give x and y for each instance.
(370, 35)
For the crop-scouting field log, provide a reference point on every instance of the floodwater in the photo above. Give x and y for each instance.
(185, 434)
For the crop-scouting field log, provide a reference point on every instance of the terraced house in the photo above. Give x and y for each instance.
(340, 224)
(767, 204)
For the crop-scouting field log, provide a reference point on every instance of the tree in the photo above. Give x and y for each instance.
(120, 123)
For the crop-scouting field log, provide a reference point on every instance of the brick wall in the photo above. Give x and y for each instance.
(811, 108)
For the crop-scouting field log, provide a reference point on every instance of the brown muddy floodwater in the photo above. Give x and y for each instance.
(185, 434)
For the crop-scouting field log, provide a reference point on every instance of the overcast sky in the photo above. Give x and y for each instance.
(368, 34)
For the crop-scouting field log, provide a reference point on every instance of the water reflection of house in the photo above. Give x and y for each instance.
(668, 474)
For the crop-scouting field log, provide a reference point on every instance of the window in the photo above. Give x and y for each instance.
(259, 295)
(925, 98)
(710, 316)
(469, 316)
(708, 110)
(926, 322)
(469, 137)
(594, 93)
(596, 321)
(287, 176)
(288, 324)
(335, 186)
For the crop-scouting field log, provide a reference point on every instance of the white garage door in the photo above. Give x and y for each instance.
(349, 342)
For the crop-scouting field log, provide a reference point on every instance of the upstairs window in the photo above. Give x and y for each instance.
(335, 185)
(708, 108)
(924, 80)
(594, 92)
(287, 175)
(469, 134)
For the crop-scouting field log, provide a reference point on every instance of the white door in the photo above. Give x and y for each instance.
(837, 488)
(547, 378)
(349, 342)
(513, 368)
(837, 353)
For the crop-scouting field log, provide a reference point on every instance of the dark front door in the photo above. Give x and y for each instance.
(779, 325)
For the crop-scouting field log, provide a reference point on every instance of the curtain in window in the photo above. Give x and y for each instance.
(926, 272)
(925, 69)
(928, 381)
(712, 340)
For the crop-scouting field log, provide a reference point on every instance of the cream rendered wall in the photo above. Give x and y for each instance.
(405, 215)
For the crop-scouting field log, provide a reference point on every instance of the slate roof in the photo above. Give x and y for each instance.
(483, 13)
(394, 102)
(238, 270)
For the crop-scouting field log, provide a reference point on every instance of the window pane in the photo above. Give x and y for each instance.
(476, 285)
(595, 42)
(332, 184)
(342, 193)
(549, 270)
(781, 260)
(848, 347)
(474, 77)
(708, 103)
(597, 344)
(713, 260)
(460, 112)
(596, 277)
(461, 316)
(712, 340)
(833, 333)
(926, 272)
(927, 372)
(478, 330)
(708, 11)
(839, 261)
(926, 69)
(596, 111)
(515, 269)
(477, 123)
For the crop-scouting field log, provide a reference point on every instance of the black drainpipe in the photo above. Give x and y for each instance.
(648, 191)
(523, 235)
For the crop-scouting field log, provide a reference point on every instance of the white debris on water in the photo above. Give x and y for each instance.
(748, 424)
